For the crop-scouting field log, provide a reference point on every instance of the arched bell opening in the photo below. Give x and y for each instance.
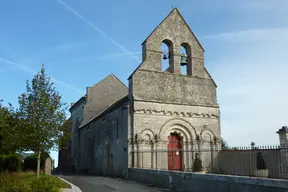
(167, 52)
(185, 59)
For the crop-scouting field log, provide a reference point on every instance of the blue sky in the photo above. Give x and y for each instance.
(81, 42)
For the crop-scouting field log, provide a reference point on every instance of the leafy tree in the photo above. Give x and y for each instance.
(11, 131)
(65, 134)
(44, 111)
(224, 145)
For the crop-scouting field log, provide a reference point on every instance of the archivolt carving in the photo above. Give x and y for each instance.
(207, 136)
(147, 133)
(145, 137)
(176, 113)
(207, 132)
(180, 126)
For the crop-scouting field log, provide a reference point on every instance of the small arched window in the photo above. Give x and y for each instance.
(185, 59)
(167, 52)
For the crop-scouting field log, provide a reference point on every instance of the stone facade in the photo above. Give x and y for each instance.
(77, 115)
(169, 102)
(113, 122)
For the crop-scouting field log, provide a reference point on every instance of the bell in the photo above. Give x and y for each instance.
(165, 56)
(183, 61)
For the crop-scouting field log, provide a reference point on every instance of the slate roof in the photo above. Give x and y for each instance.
(76, 103)
(111, 108)
(103, 95)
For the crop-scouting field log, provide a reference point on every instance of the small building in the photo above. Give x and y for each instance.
(115, 127)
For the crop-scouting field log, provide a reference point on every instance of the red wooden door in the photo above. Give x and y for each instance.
(174, 153)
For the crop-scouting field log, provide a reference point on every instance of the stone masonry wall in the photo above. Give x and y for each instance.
(104, 144)
(173, 89)
(195, 182)
(191, 122)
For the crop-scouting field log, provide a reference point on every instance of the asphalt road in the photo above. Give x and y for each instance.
(105, 184)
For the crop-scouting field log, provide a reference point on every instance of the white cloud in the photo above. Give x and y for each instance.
(252, 85)
(97, 29)
(32, 71)
(252, 35)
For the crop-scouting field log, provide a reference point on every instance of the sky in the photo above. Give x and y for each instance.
(81, 42)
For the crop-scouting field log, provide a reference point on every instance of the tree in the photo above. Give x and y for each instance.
(197, 164)
(66, 133)
(10, 130)
(44, 112)
(224, 145)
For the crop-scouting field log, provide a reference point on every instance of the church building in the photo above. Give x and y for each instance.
(115, 127)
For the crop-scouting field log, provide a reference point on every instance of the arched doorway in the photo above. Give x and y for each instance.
(174, 152)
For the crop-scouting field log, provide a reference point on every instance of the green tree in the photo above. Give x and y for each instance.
(11, 131)
(65, 134)
(224, 145)
(44, 111)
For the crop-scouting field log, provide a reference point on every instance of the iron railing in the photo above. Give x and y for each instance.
(255, 161)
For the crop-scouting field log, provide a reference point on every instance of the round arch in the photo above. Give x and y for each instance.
(147, 134)
(180, 126)
(187, 48)
(208, 132)
(169, 44)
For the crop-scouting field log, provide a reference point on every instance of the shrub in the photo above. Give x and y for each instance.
(3, 162)
(260, 161)
(10, 162)
(13, 162)
(46, 184)
(30, 162)
(197, 164)
(10, 183)
(27, 182)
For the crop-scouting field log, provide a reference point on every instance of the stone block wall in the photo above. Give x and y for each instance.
(183, 181)
(104, 144)
(153, 122)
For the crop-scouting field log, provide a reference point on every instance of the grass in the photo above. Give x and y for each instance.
(28, 181)
(29, 177)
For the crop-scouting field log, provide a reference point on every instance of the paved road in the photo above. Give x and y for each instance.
(105, 184)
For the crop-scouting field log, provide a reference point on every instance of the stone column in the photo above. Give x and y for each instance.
(283, 137)
(190, 151)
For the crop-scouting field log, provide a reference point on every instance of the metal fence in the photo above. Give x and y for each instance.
(260, 161)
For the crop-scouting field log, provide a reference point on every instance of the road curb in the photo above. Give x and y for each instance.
(74, 187)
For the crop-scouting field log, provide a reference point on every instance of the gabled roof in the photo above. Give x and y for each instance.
(75, 104)
(135, 70)
(109, 109)
(103, 94)
(210, 76)
(175, 10)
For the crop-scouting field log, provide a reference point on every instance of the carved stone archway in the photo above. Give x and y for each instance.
(188, 135)
(182, 127)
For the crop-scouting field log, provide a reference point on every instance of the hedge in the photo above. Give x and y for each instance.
(11, 162)
(30, 162)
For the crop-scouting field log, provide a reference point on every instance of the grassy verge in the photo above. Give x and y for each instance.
(28, 182)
